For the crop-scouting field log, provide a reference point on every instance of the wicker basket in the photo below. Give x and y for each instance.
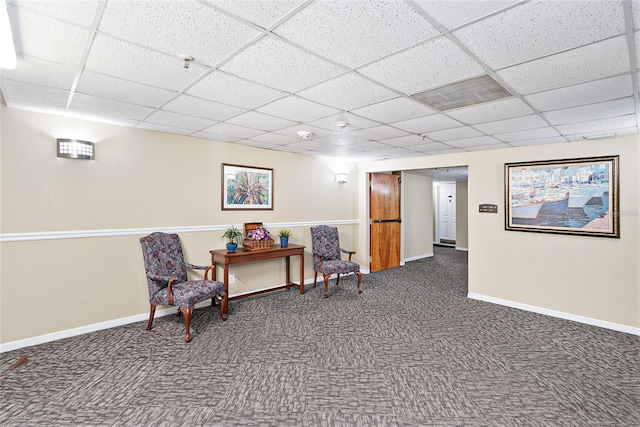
(255, 245)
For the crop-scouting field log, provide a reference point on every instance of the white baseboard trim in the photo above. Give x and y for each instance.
(559, 314)
(54, 336)
(415, 258)
(68, 333)
(462, 249)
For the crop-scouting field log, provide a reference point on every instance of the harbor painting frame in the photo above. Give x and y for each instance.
(570, 196)
(246, 187)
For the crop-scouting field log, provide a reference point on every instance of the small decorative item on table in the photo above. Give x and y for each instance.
(257, 237)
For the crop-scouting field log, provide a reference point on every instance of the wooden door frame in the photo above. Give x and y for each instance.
(367, 223)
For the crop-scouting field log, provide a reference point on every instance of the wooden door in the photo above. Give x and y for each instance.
(384, 213)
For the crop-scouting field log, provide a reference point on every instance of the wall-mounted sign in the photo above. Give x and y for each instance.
(488, 208)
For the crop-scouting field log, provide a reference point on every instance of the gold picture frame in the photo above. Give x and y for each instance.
(571, 196)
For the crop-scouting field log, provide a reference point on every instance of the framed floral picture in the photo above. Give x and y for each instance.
(571, 196)
(246, 188)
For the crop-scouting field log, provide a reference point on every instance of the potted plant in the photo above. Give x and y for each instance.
(233, 235)
(284, 238)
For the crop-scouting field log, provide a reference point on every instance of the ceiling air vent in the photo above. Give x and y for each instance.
(464, 93)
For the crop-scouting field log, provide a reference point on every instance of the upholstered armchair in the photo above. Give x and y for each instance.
(167, 279)
(327, 258)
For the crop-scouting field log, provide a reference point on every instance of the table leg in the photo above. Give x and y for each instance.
(226, 282)
(288, 275)
(302, 274)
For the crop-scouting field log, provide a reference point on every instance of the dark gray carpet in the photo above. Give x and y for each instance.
(411, 350)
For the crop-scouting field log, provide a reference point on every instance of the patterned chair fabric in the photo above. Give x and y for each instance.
(327, 258)
(167, 279)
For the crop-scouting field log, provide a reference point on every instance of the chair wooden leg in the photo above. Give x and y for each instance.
(315, 277)
(338, 280)
(224, 306)
(359, 279)
(186, 313)
(326, 285)
(152, 312)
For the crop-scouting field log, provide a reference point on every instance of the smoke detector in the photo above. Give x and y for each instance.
(186, 60)
(304, 134)
(342, 124)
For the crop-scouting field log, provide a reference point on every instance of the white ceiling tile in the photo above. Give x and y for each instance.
(256, 144)
(455, 133)
(298, 109)
(491, 111)
(452, 14)
(405, 141)
(297, 69)
(431, 147)
(117, 89)
(394, 110)
(75, 12)
(198, 107)
(636, 37)
(427, 124)
(229, 130)
(93, 104)
(473, 142)
(131, 62)
(360, 31)
(17, 91)
(581, 94)
(406, 71)
(603, 110)
(530, 134)
(355, 122)
(542, 141)
(532, 121)
(215, 137)
(169, 118)
(257, 120)
(48, 38)
(232, 90)
(497, 146)
(602, 125)
(163, 128)
(259, 12)
(540, 28)
(216, 37)
(603, 59)
(347, 92)
(379, 132)
(40, 72)
(274, 139)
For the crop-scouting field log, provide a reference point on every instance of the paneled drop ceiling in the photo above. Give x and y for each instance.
(410, 78)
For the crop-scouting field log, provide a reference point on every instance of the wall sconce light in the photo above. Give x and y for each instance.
(341, 178)
(75, 149)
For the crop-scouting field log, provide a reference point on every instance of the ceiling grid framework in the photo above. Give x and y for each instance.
(264, 71)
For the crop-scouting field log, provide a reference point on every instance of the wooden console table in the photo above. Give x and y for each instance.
(241, 255)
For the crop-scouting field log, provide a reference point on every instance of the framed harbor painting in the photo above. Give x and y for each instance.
(571, 196)
(246, 188)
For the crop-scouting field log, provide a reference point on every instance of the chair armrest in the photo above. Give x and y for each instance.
(347, 252)
(319, 256)
(158, 278)
(206, 269)
(195, 267)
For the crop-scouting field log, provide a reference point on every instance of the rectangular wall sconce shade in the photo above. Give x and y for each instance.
(75, 149)
(341, 178)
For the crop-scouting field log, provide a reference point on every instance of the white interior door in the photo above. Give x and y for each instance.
(447, 213)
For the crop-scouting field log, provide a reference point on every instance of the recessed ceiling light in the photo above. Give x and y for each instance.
(342, 124)
(462, 94)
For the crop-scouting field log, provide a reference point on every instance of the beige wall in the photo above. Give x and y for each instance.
(417, 216)
(462, 215)
(595, 278)
(146, 180)
(141, 180)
